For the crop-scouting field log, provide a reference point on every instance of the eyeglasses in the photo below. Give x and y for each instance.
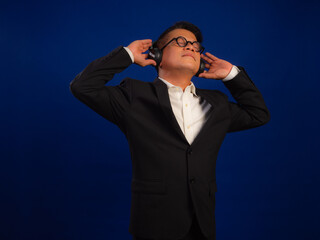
(182, 42)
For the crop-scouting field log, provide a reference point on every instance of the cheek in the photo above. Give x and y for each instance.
(169, 59)
(198, 58)
(199, 61)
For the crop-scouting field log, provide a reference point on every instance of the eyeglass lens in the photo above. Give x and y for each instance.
(182, 42)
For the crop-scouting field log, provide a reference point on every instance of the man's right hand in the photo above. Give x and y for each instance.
(138, 48)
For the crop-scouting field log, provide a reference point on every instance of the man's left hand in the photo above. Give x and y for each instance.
(217, 68)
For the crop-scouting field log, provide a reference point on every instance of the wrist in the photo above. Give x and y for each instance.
(130, 53)
(234, 71)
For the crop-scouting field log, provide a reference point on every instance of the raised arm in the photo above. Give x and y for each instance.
(89, 85)
(250, 110)
(111, 102)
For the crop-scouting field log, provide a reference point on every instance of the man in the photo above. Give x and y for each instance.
(174, 130)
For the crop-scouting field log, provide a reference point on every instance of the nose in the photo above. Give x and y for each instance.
(189, 46)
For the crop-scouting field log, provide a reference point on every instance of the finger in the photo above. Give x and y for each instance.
(207, 75)
(147, 45)
(144, 56)
(207, 65)
(151, 62)
(148, 61)
(145, 48)
(206, 58)
(146, 41)
(203, 75)
(211, 56)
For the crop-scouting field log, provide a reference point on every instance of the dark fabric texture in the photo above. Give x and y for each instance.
(171, 179)
(193, 234)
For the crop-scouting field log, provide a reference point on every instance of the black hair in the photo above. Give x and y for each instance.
(180, 25)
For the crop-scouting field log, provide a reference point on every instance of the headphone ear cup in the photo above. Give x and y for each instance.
(201, 67)
(155, 54)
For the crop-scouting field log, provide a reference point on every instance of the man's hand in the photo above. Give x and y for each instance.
(138, 48)
(217, 68)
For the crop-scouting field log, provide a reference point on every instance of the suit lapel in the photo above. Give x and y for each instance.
(164, 101)
(210, 119)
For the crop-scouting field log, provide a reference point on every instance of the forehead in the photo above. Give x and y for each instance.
(182, 32)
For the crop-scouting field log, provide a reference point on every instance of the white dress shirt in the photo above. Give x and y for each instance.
(191, 111)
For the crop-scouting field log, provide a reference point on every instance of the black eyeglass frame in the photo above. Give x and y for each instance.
(201, 47)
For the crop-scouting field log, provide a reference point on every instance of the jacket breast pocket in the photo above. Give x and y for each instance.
(152, 186)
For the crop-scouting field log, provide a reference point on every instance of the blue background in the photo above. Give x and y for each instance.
(65, 172)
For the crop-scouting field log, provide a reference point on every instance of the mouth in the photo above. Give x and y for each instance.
(189, 55)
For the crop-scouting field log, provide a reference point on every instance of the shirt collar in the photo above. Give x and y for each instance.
(170, 85)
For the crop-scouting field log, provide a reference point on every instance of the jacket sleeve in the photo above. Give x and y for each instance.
(250, 110)
(111, 102)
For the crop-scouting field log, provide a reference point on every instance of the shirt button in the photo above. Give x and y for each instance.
(188, 127)
(192, 180)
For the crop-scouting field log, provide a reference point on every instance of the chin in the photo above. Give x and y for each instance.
(190, 68)
(185, 66)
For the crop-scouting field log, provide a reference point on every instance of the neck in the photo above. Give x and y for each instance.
(179, 80)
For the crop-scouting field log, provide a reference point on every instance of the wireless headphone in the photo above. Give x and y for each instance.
(156, 54)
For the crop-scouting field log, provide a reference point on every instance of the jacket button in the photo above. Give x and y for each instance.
(192, 180)
(189, 151)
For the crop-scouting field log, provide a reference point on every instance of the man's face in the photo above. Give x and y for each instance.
(179, 58)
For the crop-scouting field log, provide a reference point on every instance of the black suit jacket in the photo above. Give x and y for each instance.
(171, 179)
